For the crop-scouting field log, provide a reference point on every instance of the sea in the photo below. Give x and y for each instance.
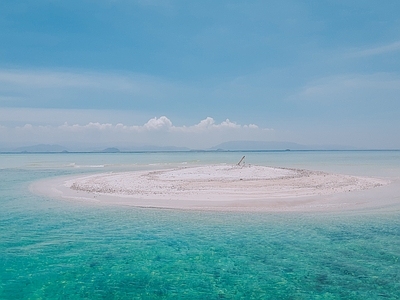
(65, 249)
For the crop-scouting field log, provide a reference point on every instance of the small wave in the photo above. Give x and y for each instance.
(88, 166)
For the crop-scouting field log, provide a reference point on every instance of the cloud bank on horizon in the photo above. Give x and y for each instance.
(313, 73)
(203, 135)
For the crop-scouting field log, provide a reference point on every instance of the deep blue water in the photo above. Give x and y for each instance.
(54, 249)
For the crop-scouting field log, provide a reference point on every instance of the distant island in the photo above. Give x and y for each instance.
(41, 148)
(259, 146)
(111, 150)
(225, 146)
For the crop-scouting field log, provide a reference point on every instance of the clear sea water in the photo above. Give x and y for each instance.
(55, 249)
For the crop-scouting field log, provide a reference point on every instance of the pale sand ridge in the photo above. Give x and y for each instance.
(217, 187)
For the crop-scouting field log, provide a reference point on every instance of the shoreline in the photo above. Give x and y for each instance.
(220, 188)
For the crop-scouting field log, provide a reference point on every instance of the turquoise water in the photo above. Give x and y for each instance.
(54, 249)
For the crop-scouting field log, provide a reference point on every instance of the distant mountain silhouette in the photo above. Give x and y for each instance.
(159, 148)
(259, 145)
(265, 146)
(111, 150)
(150, 148)
(41, 148)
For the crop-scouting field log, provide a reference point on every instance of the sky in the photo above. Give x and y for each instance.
(119, 73)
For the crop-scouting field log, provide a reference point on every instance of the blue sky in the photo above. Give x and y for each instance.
(105, 72)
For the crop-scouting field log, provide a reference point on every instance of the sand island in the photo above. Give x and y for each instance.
(218, 187)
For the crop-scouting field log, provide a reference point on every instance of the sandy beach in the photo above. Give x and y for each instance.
(219, 187)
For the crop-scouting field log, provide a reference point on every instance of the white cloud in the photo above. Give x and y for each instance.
(159, 124)
(393, 47)
(67, 79)
(378, 88)
(76, 88)
(228, 124)
(209, 124)
(156, 131)
(252, 126)
(205, 124)
(54, 117)
(162, 123)
(89, 126)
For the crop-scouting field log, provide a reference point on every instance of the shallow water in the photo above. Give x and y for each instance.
(53, 249)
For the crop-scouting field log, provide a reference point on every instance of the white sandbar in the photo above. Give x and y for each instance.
(217, 187)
